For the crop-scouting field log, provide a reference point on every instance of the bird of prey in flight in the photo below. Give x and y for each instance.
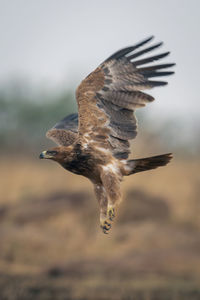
(95, 142)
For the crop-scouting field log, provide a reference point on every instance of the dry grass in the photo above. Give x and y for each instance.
(49, 232)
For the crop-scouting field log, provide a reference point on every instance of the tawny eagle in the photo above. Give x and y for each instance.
(95, 142)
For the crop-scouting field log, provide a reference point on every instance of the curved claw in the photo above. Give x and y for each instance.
(111, 213)
(106, 226)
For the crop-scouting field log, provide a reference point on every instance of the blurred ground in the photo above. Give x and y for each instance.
(52, 247)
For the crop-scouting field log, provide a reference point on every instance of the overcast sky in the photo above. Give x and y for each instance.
(58, 42)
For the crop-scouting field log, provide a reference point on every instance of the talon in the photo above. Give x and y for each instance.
(108, 225)
(105, 231)
(111, 213)
(105, 225)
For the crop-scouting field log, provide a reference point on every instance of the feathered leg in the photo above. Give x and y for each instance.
(103, 203)
(111, 183)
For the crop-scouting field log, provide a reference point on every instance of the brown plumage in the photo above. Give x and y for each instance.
(95, 142)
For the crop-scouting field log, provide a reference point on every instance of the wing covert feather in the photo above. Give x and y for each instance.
(65, 132)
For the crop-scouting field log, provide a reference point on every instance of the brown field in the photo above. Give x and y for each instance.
(52, 247)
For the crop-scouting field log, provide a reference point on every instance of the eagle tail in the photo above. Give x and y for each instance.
(149, 163)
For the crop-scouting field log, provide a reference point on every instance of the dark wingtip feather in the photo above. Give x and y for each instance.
(155, 68)
(153, 83)
(70, 121)
(148, 39)
(120, 53)
(150, 59)
(127, 50)
(151, 37)
(156, 74)
(144, 51)
(145, 41)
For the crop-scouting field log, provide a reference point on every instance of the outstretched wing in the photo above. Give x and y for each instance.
(108, 97)
(65, 132)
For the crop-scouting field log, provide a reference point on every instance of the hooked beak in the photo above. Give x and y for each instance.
(42, 155)
(45, 155)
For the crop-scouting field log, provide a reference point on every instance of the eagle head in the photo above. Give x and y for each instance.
(58, 154)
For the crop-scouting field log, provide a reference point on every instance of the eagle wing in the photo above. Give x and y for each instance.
(108, 97)
(65, 132)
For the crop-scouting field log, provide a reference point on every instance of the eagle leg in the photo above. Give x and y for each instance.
(111, 184)
(100, 193)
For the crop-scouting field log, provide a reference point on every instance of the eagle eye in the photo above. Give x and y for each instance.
(53, 152)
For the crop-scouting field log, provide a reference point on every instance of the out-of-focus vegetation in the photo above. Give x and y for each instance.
(51, 244)
(26, 115)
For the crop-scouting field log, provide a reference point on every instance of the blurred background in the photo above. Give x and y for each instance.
(51, 244)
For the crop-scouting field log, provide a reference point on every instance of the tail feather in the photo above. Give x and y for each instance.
(149, 163)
